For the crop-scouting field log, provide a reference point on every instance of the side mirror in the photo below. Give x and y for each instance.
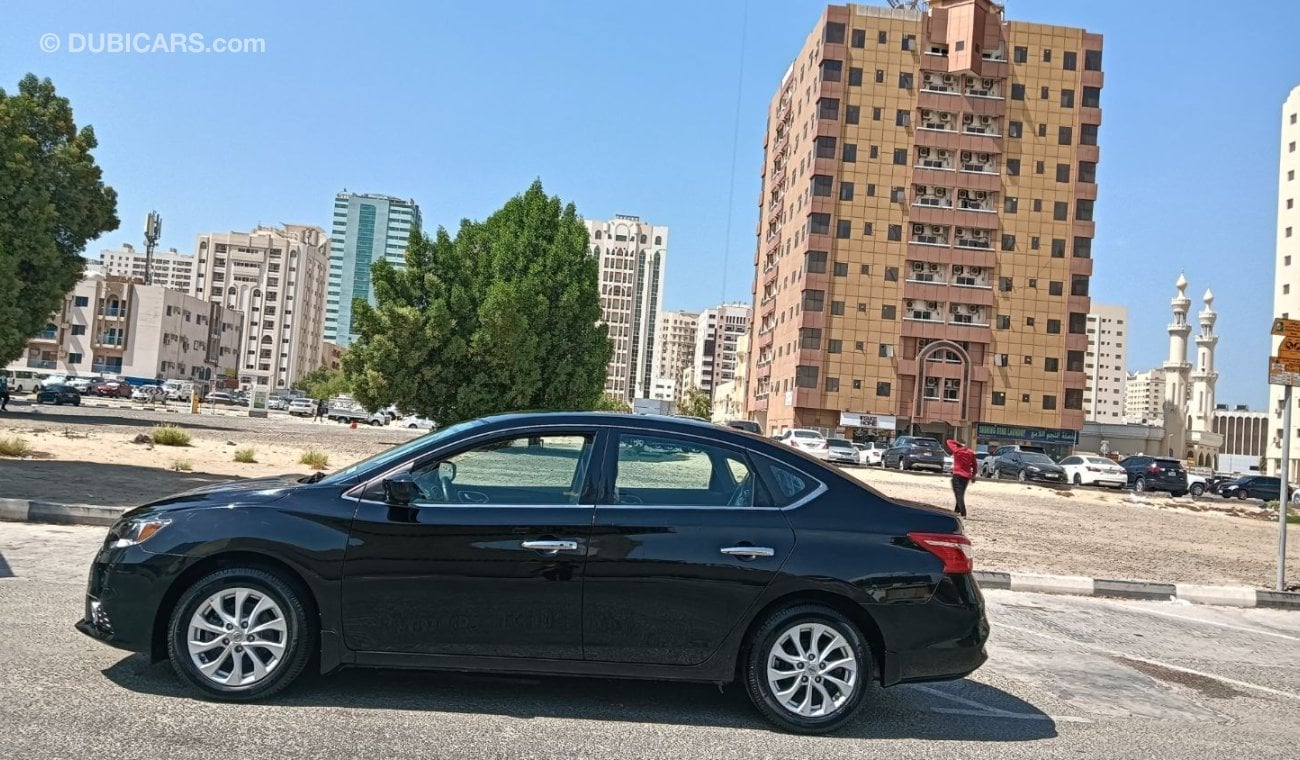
(401, 489)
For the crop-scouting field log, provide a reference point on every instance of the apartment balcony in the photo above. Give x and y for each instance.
(105, 313)
(943, 330)
(42, 363)
(968, 314)
(109, 341)
(928, 273)
(106, 368)
(46, 336)
(975, 239)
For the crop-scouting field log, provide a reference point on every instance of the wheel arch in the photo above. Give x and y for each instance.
(846, 606)
(222, 561)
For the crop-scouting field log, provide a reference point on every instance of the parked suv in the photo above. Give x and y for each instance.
(1146, 473)
(913, 452)
(1254, 487)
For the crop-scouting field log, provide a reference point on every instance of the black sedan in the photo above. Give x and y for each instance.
(58, 393)
(1262, 487)
(565, 543)
(1027, 466)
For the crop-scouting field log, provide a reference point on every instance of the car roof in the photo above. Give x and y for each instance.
(654, 422)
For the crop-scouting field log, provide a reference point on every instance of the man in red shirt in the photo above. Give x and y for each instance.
(963, 472)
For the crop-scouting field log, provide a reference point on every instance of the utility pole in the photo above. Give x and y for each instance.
(1284, 370)
(152, 231)
(1284, 498)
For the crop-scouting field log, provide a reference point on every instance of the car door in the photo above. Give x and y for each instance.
(1073, 466)
(486, 561)
(682, 546)
(1008, 464)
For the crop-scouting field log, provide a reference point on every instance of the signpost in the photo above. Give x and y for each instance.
(1284, 370)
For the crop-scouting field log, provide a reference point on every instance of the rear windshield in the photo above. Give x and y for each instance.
(1099, 460)
(1034, 457)
(842, 443)
(926, 443)
(1170, 464)
(806, 434)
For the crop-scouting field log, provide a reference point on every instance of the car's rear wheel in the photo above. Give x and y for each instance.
(1021, 476)
(239, 634)
(807, 668)
(1141, 485)
(902, 465)
(1197, 489)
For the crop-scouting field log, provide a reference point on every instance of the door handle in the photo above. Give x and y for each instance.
(748, 552)
(551, 546)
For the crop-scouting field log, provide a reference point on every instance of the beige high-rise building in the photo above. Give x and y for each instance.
(118, 326)
(277, 277)
(631, 256)
(1104, 363)
(716, 332)
(926, 224)
(1144, 397)
(171, 269)
(675, 350)
(1286, 277)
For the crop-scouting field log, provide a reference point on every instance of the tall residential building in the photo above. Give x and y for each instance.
(631, 255)
(1144, 396)
(1286, 282)
(120, 326)
(729, 395)
(171, 269)
(367, 228)
(277, 278)
(674, 349)
(926, 225)
(1103, 396)
(716, 333)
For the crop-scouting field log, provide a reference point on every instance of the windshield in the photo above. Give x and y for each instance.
(383, 458)
(1098, 460)
(841, 443)
(1029, 457)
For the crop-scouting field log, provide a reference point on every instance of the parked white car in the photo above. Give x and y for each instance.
(809, 441)
(870, 454)
(302, 407)
(147, 393)
(1092, 470)
(841, 451)
(415, 422)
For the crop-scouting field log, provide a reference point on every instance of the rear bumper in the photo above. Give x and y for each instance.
(940, 640)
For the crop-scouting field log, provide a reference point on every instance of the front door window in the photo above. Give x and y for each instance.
(522, 470)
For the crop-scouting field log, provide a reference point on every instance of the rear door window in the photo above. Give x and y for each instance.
(667, 471)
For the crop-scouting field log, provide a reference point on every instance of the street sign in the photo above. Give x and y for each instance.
(1283, 370)
(1287, 327)
(1289, 348)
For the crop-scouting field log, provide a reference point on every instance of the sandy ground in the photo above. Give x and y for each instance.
(86, 456)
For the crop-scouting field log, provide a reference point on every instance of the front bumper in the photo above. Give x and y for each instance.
(1045, 477)
(124, 594)
(842, 458)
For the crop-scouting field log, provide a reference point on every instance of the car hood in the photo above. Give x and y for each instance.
(243, 492)
(1044, 467)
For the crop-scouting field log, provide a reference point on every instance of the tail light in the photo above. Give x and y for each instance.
(953, 549)
(1153, 468)
(1093, 469)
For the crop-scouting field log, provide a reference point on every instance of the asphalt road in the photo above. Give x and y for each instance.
(1068, 678)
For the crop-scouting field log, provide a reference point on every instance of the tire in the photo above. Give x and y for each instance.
(997, 473)
(781, 629)
(1243, 495)
(902, 464)
(375, 423)
(1140, 485)
(58, 401)
(1022, 477)
(1197, 489)
(1078, 481)
(296, 640)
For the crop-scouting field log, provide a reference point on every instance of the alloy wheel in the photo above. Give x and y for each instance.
(237, 636)
(1140, 485)
(1078, 481)
(812, 670)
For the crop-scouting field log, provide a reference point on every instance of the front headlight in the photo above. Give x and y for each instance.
(132, 532)
(1032, 468)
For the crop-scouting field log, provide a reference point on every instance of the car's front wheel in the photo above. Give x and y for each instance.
(240, 634)
(1243, 495)
(806, 669)
(902, 464)
(1078, 481)
(1140, 486)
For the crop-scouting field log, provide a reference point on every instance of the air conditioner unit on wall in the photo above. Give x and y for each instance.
(936, 229)
(918, 229)
(910, 303)
(958, 269)
(939, 192)
(918, 266)
(931, 304)
(934, 267)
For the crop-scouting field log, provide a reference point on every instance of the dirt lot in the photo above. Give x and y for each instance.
(86, 456)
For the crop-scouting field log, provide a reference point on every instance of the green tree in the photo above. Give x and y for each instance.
(696, 403)
(608, 403)
(52, 201)
(502, 317)
(323, 382)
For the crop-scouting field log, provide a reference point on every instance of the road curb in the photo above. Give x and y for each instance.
(32, 510)
(1222, 596)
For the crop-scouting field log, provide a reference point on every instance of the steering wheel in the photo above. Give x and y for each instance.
(444, 484)
(743, 496)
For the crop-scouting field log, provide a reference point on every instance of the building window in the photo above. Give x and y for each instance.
(1079, 285)
(1053, 327)
(855, 77)
(1088, 134)
(1033, 244)
(1088, 171)
(810, 338)
(850, 153)
(828, 108)
(1038, 205)
(843, 228)
(821, 185)
(814, 262)
(1092, 60)
(857, 384)
(900, 156)
(852, 114)
(834, 33)
(1055, 288)
(1051, 364)
(74, 358)
(837, 308)
(882, 389)
(1039, 167)
(895, 233)
(841, 269)
(1045, 93)
(1067, 98)
(1065, 136)
(1015, 128)
(1062, 172)
(1008, 242)
(78, 329)
(1042, 130)
(80, 301)
(824, 147)
(834, 346)
(888, 311)
(1083, 248)
(805, 377)
(891, 274)
(814, 300)
(909, 41)
(1061, 211)
(832, 385)
(832, 70)
(858, 38)
(867, 229)
(1030, 322)
(1083, 210)
(1004, 284)
(1017, 92)
(880, 76)
(1049, 402)
(886, 350)
(1078, 323)
(1073, 398)
(1020, 54)
(1010, 204)
(1074, 361)
(1013, 167)
(903, 118)
(999, 398)
(1047, 55)
(1069, 60)
(846, 191)
(1058, 248)
(874, 152)
(1092, 97)
(882, 37)
(819, 224)
(1004, 322)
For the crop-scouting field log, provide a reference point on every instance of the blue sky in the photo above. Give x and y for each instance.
(629, 108)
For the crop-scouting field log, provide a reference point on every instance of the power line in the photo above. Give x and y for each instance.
(735, 144)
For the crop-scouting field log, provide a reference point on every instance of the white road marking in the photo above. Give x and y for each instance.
(1242, 628)
(985, 711)
(1159, 663)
